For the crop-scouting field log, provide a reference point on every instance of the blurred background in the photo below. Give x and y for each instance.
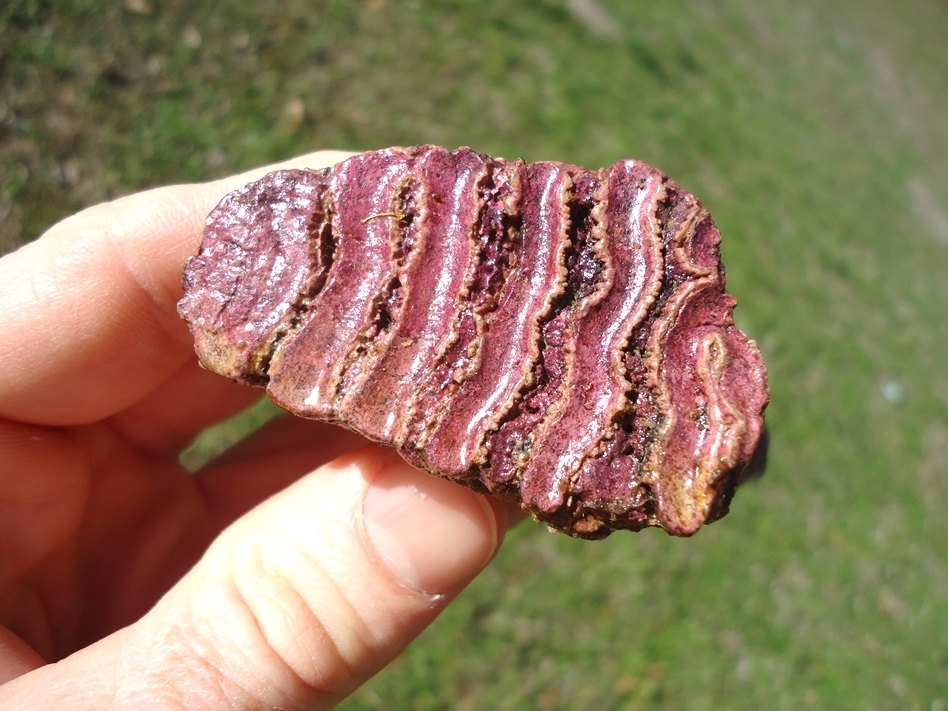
(817, 135)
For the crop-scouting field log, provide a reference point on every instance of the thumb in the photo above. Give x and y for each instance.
(296, 603)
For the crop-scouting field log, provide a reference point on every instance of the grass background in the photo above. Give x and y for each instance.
(817, 134)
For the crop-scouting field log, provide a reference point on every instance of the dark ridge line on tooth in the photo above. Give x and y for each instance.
(498, 241)
(509, 443)
(598, 394)
(306, 370)
(433, 395)
(510, 342)
(684, 507)
(679, 214)
(377, 335)
(491, 229)
(442, 268)
(323, 241)
(632, 442)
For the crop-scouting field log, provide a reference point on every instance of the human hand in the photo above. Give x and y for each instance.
(283, 574)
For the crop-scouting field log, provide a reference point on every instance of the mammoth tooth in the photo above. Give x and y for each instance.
(534, 330)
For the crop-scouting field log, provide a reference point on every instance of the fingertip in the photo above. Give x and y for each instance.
(432, 535)
(298, 602)
(16, 656)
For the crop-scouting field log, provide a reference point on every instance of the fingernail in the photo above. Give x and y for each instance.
(432, 534)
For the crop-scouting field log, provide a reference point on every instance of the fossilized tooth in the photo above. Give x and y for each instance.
(534, 330)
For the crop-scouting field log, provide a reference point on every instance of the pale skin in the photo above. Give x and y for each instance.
(284, 574)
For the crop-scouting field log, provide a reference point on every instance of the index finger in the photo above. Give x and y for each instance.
(88, 320)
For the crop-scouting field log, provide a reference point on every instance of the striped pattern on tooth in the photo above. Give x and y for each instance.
(535, 330)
